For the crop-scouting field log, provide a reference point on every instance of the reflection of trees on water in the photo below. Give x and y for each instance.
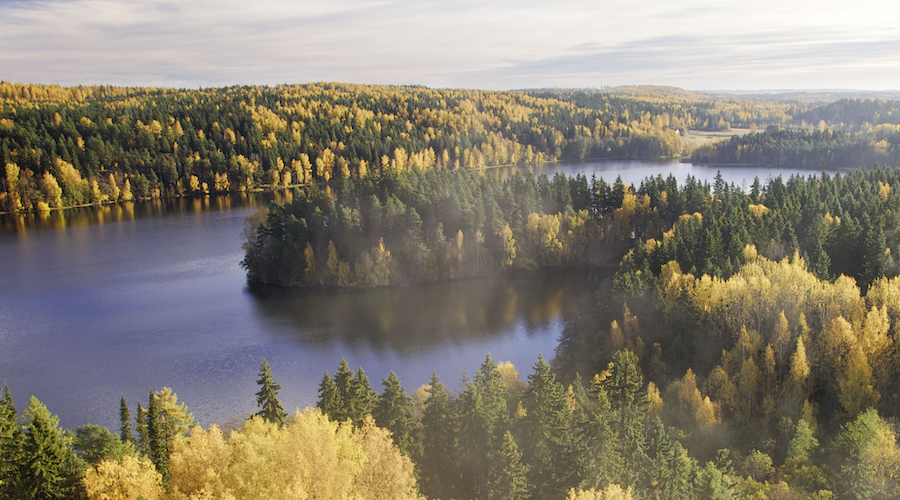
(20, 223)
(409, 319)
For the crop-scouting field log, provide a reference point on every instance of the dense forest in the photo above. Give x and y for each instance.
(71, 146)
(81, 145)
(824, 148)
(426, 226)
(745, 349)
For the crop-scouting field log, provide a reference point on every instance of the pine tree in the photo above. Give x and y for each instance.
(125, 418)
(267, 398)
(329, 399)
(42, 464)
(393, 411)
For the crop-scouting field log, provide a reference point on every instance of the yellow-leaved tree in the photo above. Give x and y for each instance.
(310, 457)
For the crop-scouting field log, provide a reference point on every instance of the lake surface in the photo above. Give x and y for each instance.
(100, 302)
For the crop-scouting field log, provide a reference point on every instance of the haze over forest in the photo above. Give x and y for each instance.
(747, 345)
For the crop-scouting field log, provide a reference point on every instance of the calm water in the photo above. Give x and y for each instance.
(99, 302)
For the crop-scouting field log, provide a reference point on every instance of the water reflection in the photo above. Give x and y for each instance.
(409, 320)
(130, 211)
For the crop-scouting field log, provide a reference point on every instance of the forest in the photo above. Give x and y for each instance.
(73, 146)
(745, 349)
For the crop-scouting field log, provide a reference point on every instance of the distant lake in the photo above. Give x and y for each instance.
(102, 301)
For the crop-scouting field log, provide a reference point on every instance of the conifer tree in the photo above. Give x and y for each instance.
(156, 437)
(511, 483)
(125, 432)
(10, 447)
(393, 411)
(342, 381)
(143, 430)
(601, 462)
(267, 398)
(484, 419)
(329, 399)
(43, 459)
(362, 397)
(547, 436)
(436, 467)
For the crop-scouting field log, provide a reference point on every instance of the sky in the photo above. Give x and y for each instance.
(486, 44)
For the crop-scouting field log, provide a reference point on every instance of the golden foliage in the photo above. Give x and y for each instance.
(611, 492)
(311, 457)
(129, 479)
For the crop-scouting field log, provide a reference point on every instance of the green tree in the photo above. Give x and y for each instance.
(342, 381)
(10, 448)
(512, 482)
(156, 438)
(329, 399)
(393, 411)
(362, 398)
(267, 398)
(125, 432)
(95, 444)
(437, 466)
(43, 459)
(547, 438)
(142, 430)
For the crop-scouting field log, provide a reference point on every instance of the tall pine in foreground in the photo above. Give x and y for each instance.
(267, 398)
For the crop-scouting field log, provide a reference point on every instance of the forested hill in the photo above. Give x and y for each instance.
(69, 146)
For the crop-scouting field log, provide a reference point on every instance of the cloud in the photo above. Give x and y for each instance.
(484, 44)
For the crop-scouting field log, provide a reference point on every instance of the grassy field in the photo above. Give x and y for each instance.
(696, 138)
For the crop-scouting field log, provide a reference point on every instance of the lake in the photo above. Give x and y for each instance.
(120, 300)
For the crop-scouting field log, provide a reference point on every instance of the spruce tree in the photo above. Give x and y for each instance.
(362, 397)
(393, 411)
(511, 482)
(601, 462)
(484, 419)
(125, 419)
(329, 399)
(549, 447)
(10, 447)
(142, 430)
(342, 379)
(267, 398)
(436, 467)
(43, 459)
(156, 432)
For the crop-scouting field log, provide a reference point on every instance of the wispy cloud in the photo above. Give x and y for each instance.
(498, 44)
